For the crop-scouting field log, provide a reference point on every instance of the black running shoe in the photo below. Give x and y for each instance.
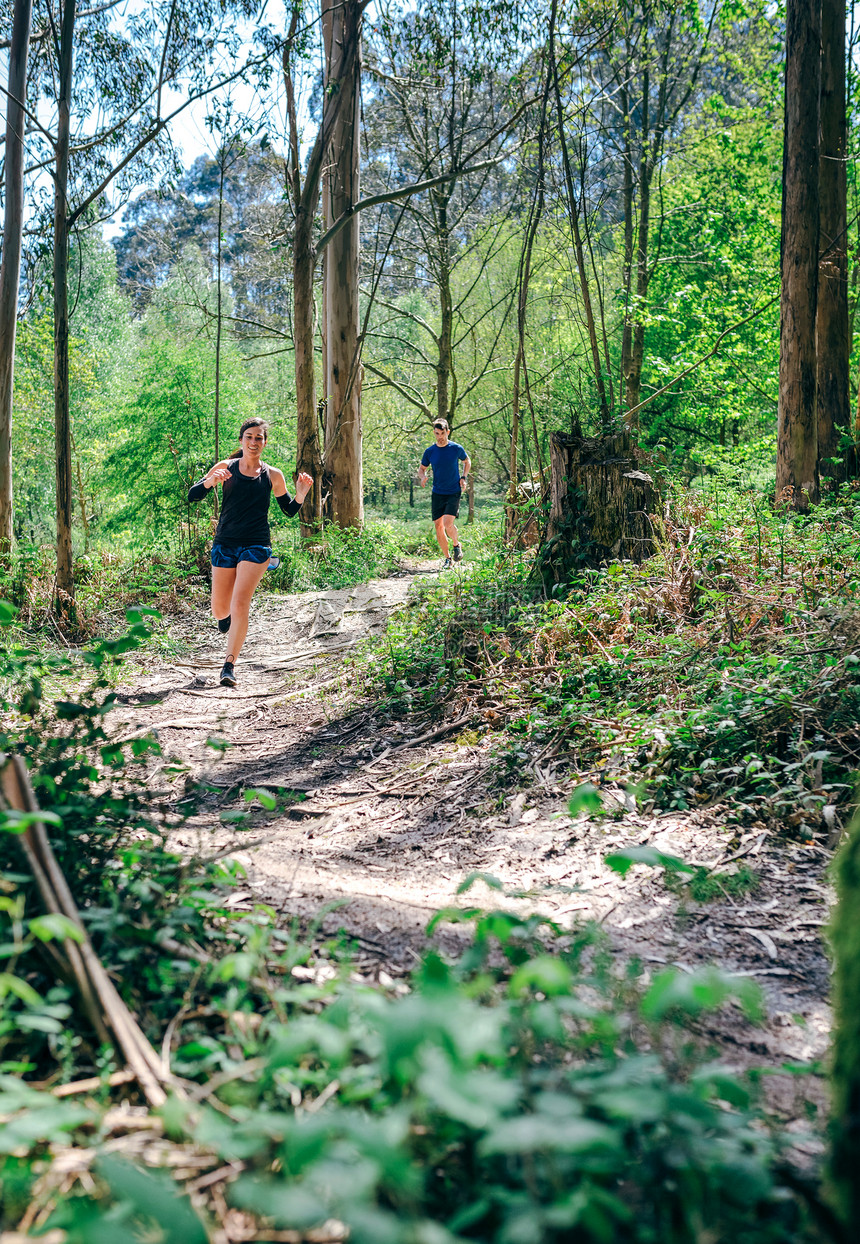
(457, 553)
(228, 678)
(224, 624)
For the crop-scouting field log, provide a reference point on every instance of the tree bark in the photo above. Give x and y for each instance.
(797, 441)
(600, 504)
(304, 197)
(627, 263)
(636, 353)
(832, 339)
(308, 454)
(222, 161)
(62, 420)
(445, 362)
(10, 269)
(341, 37)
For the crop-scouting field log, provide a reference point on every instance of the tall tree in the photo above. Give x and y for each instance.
(797, 438)
(343, 467)
(10, 269)
(135, 124)
(446, 106)
(832, 334)
(305, 192)
(648, 61)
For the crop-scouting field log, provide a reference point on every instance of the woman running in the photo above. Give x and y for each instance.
(242, 545)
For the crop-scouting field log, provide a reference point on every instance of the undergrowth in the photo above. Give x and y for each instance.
(532, 1091)
(726, 667)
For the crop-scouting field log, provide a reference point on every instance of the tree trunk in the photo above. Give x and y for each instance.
(341, 312)
(627, 262)
(62, 422)
(223, 160)
(600, 505)
(573, 210)
(10, 269)
(445, 362)
(797, 441)
(308, 456)
(832, 341)
(636, 356)
(470, 488)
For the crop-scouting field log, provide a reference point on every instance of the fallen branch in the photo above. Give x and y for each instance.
(425, 738)
(104, 1007)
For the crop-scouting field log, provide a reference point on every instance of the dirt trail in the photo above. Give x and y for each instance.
(390, 825)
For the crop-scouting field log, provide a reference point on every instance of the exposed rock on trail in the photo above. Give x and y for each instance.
(386, 819)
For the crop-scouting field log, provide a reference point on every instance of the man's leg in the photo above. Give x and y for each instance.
(248, 575)
(451, 529)
(440, 533)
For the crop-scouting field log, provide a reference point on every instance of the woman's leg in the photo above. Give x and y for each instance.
(248, 575)
(223, 578)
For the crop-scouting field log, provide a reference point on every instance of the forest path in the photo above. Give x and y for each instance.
(384, 824)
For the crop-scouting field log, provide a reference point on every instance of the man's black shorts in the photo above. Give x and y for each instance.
(444, 503)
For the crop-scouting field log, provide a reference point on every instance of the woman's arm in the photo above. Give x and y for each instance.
(290, 505)
(215, 475)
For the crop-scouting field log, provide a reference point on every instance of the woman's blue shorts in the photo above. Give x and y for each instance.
(229, 558)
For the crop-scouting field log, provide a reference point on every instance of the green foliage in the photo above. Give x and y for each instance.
(845, 1075)
(338, 558)
(725, 668)
(545, 1099)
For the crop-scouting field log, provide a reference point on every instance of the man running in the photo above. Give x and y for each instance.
(448, 484)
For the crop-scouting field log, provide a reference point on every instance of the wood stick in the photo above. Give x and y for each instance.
(424, 738)
(97, 989)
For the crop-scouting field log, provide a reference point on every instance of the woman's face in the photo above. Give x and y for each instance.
(253, 440)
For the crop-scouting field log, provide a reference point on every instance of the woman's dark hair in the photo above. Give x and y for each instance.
(256, 422)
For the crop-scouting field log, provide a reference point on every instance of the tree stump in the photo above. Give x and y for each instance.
(522, 518)
(601, 503)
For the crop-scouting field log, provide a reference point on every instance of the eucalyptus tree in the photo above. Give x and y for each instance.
(247, 193)
(10, 268)
(101, 118)
(797, 446)
(832, 329)
(647, 71)
(452, 89)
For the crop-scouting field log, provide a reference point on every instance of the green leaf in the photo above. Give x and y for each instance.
(695, 992)
(534, 1132)
(236, 817)
(546, 974)
(155, 1197)
(7, 612)
(55, 927)
(12, 821)
(623, 861)
(19, 988)
(487, 878)
(264, 797)
(585, 798)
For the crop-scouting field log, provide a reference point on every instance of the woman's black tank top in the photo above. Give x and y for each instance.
(244, 509)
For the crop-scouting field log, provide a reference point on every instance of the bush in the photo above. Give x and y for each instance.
(527, 1094)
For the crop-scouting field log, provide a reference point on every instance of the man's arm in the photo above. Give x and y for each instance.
(422, 471)
(467, 466)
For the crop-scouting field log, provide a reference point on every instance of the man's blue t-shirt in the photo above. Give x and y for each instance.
(445, 459)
